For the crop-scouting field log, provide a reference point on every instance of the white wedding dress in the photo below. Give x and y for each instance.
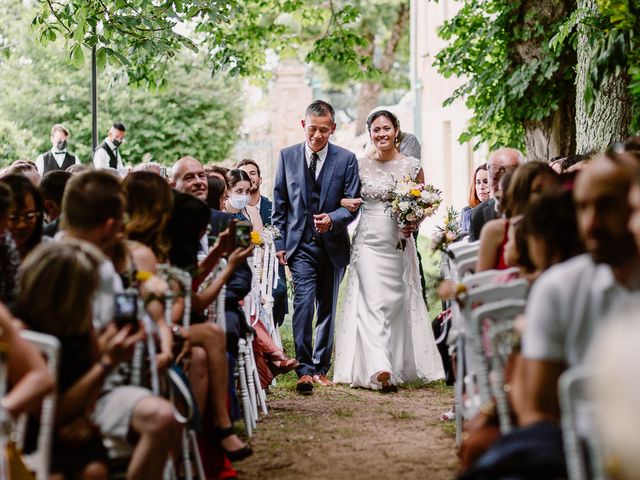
(384, 325)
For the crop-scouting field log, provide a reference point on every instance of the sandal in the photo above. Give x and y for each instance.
(281, 364)
(233, 455)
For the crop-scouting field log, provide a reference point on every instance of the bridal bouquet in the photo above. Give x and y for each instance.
(412, 202)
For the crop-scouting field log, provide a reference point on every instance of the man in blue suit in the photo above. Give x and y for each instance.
(311, 180)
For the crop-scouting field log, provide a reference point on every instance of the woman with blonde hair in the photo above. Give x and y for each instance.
(63, 277)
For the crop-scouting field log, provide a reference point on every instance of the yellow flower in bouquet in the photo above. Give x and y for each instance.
(256, 239)
(415, 192)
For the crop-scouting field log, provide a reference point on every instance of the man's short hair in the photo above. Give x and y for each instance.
(91, 198)
(58, 127)
(53, 184)
(219, 169)
(248, 161)
(78, 168)
(320, 108)
(119, 126)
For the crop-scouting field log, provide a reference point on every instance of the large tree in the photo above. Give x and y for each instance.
(532, 66)
(519, 89)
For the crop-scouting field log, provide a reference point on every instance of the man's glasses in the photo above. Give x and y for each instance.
(27, 218)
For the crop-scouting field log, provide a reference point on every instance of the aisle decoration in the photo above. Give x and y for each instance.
(448, 233)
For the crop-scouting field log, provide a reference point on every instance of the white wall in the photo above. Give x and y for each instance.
(447, 164)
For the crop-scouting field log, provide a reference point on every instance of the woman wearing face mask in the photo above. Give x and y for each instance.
(237, 204)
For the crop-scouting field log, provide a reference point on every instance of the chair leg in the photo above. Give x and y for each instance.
(196, 456)
(244, 390)
(186, 457)
(249, 367)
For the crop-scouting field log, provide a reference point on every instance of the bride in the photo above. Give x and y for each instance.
(384, 337)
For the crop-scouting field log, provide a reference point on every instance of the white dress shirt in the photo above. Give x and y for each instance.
(101, 157)
(322, 155)
(59, 157)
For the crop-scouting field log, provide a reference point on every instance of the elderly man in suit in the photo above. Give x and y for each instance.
(501, 161)
(312, 178)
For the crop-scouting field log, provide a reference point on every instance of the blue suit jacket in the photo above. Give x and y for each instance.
(266, 207)
(340, 180)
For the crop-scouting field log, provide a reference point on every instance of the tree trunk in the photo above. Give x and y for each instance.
(369, 94)
(611, 115)
(555, 134)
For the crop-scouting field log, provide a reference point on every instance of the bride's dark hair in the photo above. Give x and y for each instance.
(391, 117)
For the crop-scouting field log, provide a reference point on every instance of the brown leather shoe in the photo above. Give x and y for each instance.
(305, 385)
(322, 380)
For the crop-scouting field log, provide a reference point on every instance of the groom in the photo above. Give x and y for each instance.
(311, 180)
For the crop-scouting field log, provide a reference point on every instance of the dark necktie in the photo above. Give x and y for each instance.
(313, 165)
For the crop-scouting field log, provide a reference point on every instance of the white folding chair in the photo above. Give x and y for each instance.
(579, 433)
(501, 317)
(467, 359)
(40, 460)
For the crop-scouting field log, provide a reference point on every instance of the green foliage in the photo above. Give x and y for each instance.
(237, 36)
(192, 114)
(617, 50)
(503, 87)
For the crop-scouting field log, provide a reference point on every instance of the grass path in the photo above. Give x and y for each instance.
(344, 433)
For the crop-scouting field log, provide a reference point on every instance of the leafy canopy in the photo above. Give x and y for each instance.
(511, 74)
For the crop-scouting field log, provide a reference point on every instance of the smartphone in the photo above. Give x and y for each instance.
(243, 234)
(126, 310)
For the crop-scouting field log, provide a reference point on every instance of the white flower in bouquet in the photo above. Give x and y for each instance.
(403, 206)
(419, 211)
(403, 189)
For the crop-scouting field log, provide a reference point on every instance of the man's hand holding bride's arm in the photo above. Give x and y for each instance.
(351, 204)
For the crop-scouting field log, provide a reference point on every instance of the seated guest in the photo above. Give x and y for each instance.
(26, 168)
(526, 182)
(93, 207)
(149, 206)
(52, 189)
(216, 171)
(63, 276)
(216, 193)
(570, 299)
(28, 378)
(237, 204)
(25, 220)
(566, 306)
(478, 193)
(501, 161)
(9, 257)
(550, 229)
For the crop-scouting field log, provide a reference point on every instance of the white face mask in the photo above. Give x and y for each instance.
(238, 201)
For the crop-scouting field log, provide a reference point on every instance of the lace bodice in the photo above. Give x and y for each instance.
(378, 178)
